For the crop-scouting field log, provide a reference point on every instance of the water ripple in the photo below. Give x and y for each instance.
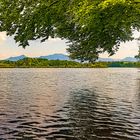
(69, 104)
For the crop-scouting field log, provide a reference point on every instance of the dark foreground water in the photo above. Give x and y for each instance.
(69, 104)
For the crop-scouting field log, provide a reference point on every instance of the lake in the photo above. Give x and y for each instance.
(70, 104)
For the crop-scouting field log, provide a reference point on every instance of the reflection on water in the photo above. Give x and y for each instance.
(70, 104)
(95, 116)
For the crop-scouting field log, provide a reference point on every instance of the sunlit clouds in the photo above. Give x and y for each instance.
(9, 48)
(128, 49)
(2, 36)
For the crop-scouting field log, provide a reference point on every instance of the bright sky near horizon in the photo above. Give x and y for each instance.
(9, 48)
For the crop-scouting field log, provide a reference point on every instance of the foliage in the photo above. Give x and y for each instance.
(91, 27)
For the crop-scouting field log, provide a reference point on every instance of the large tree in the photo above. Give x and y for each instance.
(90, 26)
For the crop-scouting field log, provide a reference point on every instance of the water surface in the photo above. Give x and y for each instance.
(70, 104)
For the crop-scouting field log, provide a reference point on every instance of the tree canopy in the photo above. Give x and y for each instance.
(90, 26)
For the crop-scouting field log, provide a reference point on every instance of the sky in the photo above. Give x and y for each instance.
(9, 48)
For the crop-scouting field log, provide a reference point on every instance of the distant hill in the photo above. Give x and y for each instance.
(129, 59)
(66, 57)
(55, 57)
(16, 58)
(106, 60)
(126, 59)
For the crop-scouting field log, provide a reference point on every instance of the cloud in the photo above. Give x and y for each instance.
(53, 40)
(3, 36)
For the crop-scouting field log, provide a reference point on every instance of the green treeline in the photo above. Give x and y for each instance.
(44, 63)
(124, 64)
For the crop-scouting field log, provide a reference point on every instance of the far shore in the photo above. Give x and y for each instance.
(44, 63)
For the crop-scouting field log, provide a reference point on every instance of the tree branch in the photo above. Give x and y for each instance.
(53, 3)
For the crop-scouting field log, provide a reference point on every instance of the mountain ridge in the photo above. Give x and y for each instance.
(16, 58)
(55, 57)
(60, 56)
